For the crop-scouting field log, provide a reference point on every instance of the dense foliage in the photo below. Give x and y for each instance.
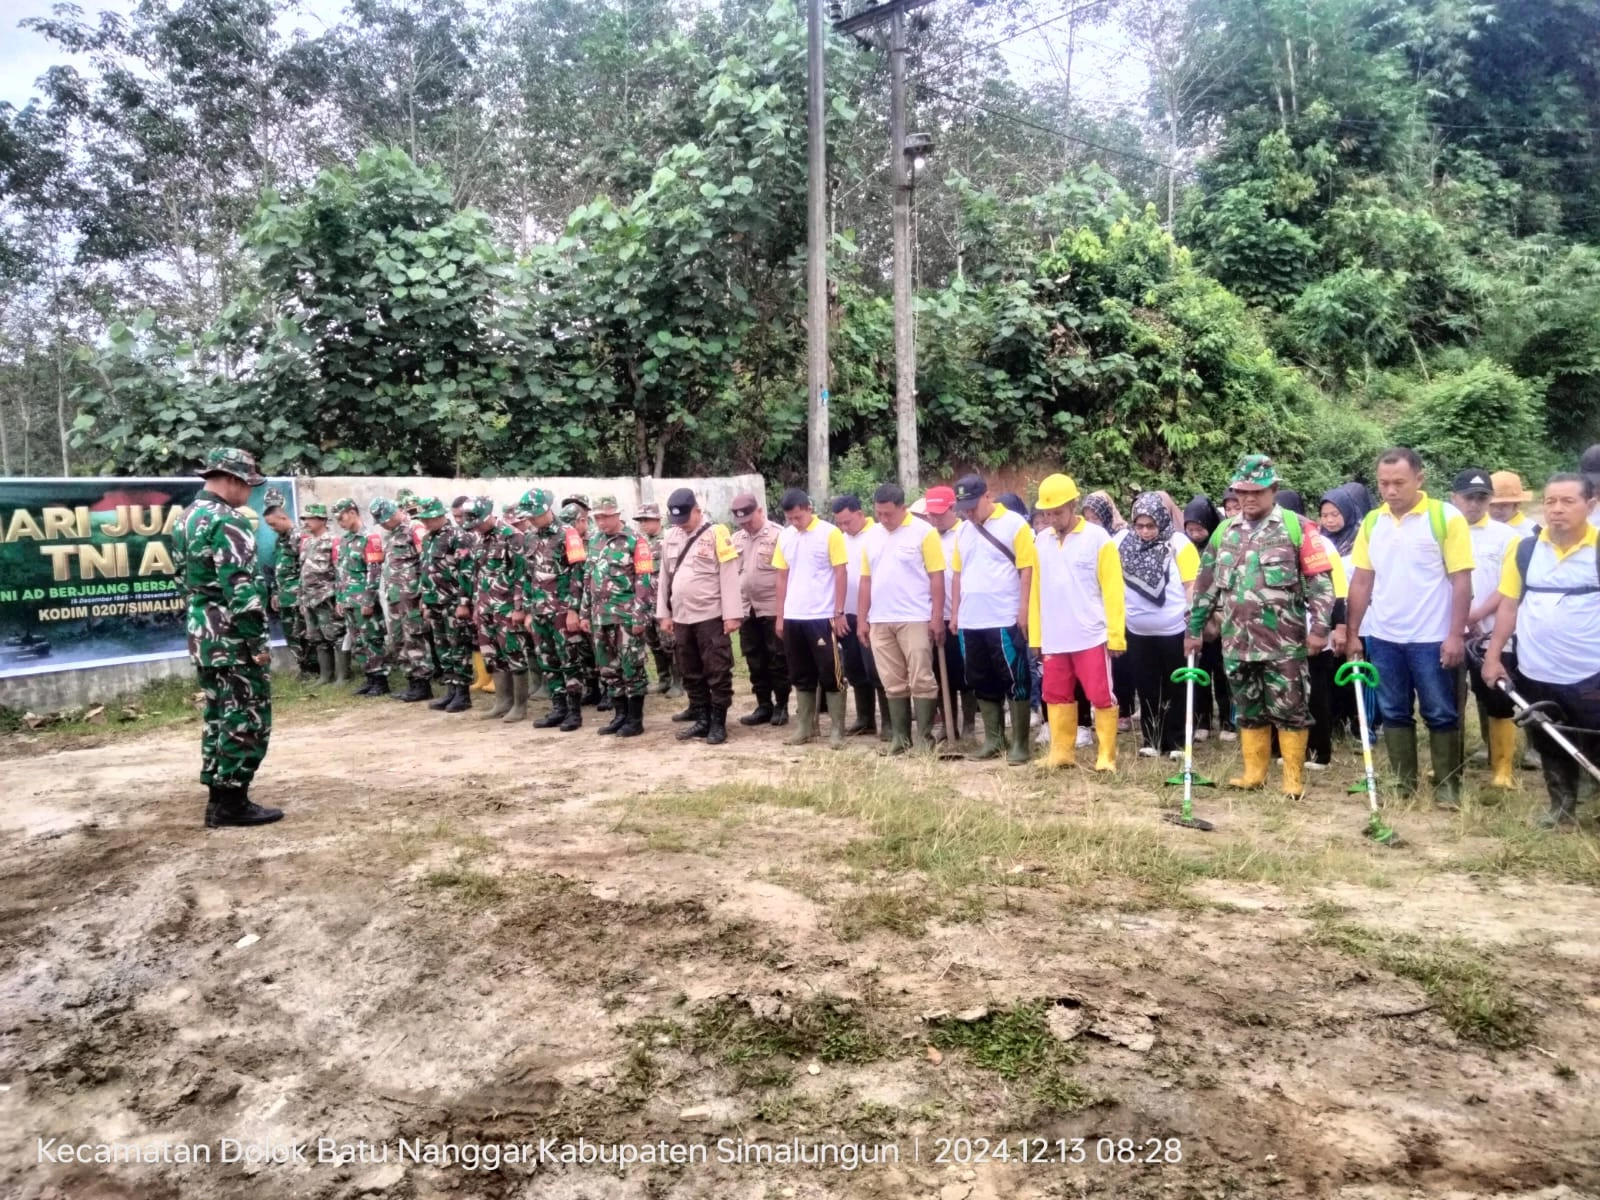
(550, 236)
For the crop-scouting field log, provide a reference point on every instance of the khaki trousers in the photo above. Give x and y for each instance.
(904, 654)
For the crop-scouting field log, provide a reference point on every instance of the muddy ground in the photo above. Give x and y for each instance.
(467, 934)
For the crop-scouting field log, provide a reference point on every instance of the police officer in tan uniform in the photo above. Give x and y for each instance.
(697, 602)
(756, 539)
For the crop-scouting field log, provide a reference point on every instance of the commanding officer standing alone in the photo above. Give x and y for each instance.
(756, 540)
(401, 579)
(620, 603)
(227, 633)
(697, 602)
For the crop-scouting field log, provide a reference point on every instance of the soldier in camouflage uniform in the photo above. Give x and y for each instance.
(1262, 580)
(621, 601)
(284, 578)
(496, 589)
(400, 577)
(360, 562)
(556, 557)
(227, 632)
(662, 645)
(408, 502)
(319, 597)
(575, 511)
(442, 593)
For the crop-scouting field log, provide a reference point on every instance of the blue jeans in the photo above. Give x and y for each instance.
(1412, 668)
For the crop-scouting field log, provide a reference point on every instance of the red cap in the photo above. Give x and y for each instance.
(940, 499)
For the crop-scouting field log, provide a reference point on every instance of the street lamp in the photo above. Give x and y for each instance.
(917, 148)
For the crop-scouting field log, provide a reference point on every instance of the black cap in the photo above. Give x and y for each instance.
(968, 489)
(679, 505)
(1471, 480)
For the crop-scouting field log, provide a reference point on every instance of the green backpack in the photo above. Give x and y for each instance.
(1435, 519)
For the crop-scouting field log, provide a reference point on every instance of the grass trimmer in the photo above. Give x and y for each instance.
(1538, 714)
(1364, 675)
(1189, 676)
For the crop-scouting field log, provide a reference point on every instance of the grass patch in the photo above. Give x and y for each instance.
(825, 1028)
(1460, 981)
(906, 914)
(1016, 1044)
(477, 889)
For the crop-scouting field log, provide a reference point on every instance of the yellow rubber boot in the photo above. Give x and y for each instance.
(1257, 747)
(1293, 743)
(1063, 737)
(1105, 735)
(481, 679)
(1503, 752)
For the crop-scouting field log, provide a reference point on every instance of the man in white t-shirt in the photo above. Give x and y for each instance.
(1473, 493)
(902, 613)
(1551, 591)
(810, 561)
(993, 563)
(862, 535)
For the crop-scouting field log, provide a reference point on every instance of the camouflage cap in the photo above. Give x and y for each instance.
(404, 496)
(320, 511)
(608, 506)
(241, 464)
(431, 507)
(382, 509)
(273, 499)
(345, 504)
(571, 512)
(537, 501)
(648, 512)
(1256, 473)
(580, 500)
(478, 509)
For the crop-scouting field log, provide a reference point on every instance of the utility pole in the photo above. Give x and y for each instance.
(817, 259)
(905, 341)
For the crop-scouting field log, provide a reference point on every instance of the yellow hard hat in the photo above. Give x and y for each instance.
(1056, 490)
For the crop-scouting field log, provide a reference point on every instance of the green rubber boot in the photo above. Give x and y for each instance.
(1020, 751)
(341, 666)
(324, 663)
(993, 729)
(899, 724)
(1444, 746)
(519, 699)
(805, 719)
(835, 719)
(1402, 747)
(503, 688)
(923, 740)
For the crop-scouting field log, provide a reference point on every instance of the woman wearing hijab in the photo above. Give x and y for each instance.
(1341, 513)
(1159, 565)
(1319, 746)
(1200, 521)
(1099, 509)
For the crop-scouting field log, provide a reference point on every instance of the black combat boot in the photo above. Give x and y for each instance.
(780, 707)
(231, 806)
(718, 732)
(866, 713)
(366, 688)
(461, 701)
(619, 717)
(557, 714)
(701, 727)
(444, 701)
(574, 719)
(604, 704)
(663, 672)
(416, 691)
(634, 725)
(763, 712)
(379, 685)
(591, 695)
(692, 713)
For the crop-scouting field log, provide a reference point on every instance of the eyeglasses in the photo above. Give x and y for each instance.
(742, 513)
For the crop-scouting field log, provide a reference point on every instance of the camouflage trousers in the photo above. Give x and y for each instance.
(664, 646)
(559, 654)
(237, 723)
(366, 640)
(619, 658)
(504, 646)
(451, 640)
(323, 624)
(294, 631)
(407, 643)
(1271, 693)
(588, 660)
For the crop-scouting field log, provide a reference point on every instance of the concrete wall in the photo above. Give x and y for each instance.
(52, 691)
(715, 494)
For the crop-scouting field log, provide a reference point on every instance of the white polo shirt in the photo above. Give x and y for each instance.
(1490, 539)
(947, 543)
(1172, 615)
(1411, 596)
(900, 567)
(1077, 601)
(810, 558)
(991, 588)
(855, 545)
(1558, 636)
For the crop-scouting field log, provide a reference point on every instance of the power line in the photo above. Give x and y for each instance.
(1041, 128)
(1062, 16)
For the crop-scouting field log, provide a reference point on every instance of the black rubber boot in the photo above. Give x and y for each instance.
(443, 702)
(866, 713)
(634, 725)
(380, 684)
(763, 711)
(557, 715)
(663, 672)
(780, 707)
(592, 696)
(574, 718)
(461, 701)
(718, 732)
(701, 727)
(366, 688)
(884, 726)
(417, 690)
(619, 717)
(230, 806)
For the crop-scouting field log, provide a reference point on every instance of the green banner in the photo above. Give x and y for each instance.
(86, 576)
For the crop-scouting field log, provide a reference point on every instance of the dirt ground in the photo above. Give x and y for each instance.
(1025, 985)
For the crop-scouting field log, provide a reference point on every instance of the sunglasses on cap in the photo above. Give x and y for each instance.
(744, 512)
